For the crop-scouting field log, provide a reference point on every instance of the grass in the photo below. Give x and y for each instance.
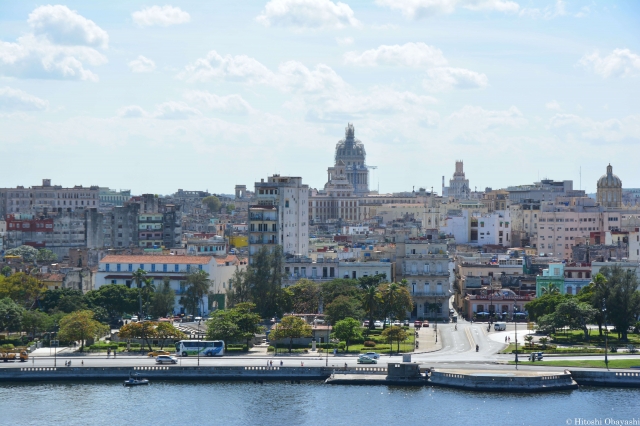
(573, 337)
(551, 349)
(613, 363)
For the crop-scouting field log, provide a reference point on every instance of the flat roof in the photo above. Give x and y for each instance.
(182, 260)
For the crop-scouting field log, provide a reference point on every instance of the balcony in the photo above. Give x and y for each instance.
(431, 294)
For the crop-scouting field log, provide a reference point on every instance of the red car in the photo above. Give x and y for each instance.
(417, 324)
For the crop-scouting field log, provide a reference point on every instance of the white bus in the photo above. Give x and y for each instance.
(205, 347)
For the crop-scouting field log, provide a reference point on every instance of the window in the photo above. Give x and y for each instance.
(130, 267)
(118, 267)
(176, 268)
(153, 267)
(107, 267)
(164, 268)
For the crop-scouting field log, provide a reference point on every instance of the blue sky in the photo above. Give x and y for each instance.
(205, 95)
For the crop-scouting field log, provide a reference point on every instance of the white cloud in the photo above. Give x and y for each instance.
(61, 46)
(584, 11)
(62, 25)
(481, 118)
(554, 105)
(17, 100)
(296, 77)
(308, 14)
(445, 78)
(231, 104)
(132, 111)
(163, 16)
(619, 63)
(235, 68)
(612, 130)
(549, 12)
(408, 55)
(142, 64)
(344, 41)
(175, 111)
(416, 9)
(35, 57)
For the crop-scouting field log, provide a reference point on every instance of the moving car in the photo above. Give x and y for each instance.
(363, 359)
(156, 353)
(373, 355)
(417, 324)
(425, 323)
(166, 359)
(378, 323)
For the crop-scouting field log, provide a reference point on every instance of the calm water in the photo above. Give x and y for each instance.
(301, 404)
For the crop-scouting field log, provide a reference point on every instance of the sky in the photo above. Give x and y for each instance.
(197, 95)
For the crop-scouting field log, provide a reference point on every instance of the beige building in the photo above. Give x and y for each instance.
(609, 189)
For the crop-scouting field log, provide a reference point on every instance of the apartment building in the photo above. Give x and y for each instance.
(48, 198)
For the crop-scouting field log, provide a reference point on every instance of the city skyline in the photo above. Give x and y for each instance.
(154, 98)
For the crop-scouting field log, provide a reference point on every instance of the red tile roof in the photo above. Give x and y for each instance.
(229, 258)
(181, 260)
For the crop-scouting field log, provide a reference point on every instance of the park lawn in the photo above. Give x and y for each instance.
(613, 363)
(552, 349)
(577, 337)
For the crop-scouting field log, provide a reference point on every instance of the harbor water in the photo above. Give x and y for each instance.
(307, 403)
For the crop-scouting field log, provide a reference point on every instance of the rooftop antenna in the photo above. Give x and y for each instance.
(580, 177)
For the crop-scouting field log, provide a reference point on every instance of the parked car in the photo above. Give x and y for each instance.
(373, 355)
(166, 359)
(397, 323)
(157, 353)
(417, 324)
(425, 323)
(362, 359)
(378, 323)
(406, 323)
(387, 321)
(366, 324)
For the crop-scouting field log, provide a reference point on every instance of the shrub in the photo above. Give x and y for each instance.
(370, 344)
(8, 346)
(341, 346)
(614, 349)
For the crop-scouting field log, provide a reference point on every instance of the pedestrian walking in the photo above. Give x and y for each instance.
(505, 339)
(301, 363)
(271, 363)
(281, 363)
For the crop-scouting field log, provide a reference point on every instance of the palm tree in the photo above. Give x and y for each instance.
(389, 295)
(148, 288)
(370, 302)
(199, 284)
(550, 289)
(139, 276)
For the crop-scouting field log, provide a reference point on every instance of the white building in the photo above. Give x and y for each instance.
(280, 215)
(119, 269)
(634, 245)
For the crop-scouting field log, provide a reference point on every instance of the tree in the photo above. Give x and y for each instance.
(396, 299)
(395, 333)
(305, 296)
(230, 208)
(115, 298)
(550, 289)
(23, 289)
(10, 315)
(576, 315)
(138, 277)
(28, 253)
(623, 304)
(342, 307)
(197, 284)
(264, 277)
(46, 256)
(529, 339)
(544, 305)
(163, 300)
(291, 327)
(599, 290)
(544, 340)
(144, 330)
(239, 290)
(234, 324)
(148, 288)
(6, 271)
(64, 300)
(330, 290)
(32, 321)
(213, 203)
(80, 325)
(165, 330)
(347, 330)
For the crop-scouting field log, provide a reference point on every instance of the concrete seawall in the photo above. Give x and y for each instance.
(499, 381)
(164, 373)
(618, 379)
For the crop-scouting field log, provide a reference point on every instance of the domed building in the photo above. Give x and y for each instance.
(351, 152)
(609, 189)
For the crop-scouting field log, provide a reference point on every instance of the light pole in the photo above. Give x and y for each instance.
(491, 308)
(606, 333)
(199, 322)
(326, 347)
(515, 324)
(55, 352)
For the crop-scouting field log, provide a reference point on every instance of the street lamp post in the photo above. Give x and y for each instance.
(55, 351)
(515, 324)
(326, 347)
(606, 333)
(491, 301)
(199, 322)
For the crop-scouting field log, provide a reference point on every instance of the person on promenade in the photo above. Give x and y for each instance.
(281, 363)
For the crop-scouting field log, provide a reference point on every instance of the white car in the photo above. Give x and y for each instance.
(377, 323)
(372, 355)
(168, 359)
(397, 323)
